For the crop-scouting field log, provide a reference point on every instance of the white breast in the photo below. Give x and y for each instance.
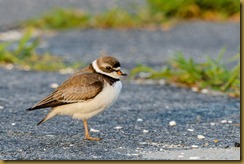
(85, 110)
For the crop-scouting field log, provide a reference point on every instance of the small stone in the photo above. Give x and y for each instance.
(190, 130)
(1, 107)
(180, 156)
(230, 122)
(94, 130)
(162, 82)
(139, 119)
(26, 68)
(172, 123)
(134, 154)
(53, 85)
(9, 67)
(13, 124)
(194, 146)
(206, 144)
(215, 141)
(195, 89)
(145, 131)
(194, 158)
(118, 127)
(224, 121)
(204, 90)
(212, 124)
(200, 137)
(10, 35)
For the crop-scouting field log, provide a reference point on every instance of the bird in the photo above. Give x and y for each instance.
(85, 93)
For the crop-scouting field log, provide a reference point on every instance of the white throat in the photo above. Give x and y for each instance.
(98, 70)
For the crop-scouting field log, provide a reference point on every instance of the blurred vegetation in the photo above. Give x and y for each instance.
(24, 55)
(158, 13)
(59, 19)
(204, 9)
(211, 74)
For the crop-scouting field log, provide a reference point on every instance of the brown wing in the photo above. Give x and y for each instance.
(78, 88)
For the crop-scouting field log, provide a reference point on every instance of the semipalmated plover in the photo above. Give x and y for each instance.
(86, 93)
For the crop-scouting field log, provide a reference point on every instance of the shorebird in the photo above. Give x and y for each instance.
(86, 93)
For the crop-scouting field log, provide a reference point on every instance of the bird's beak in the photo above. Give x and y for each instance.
(121, 73)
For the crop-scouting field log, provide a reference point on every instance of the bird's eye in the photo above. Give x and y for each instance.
(108, 68)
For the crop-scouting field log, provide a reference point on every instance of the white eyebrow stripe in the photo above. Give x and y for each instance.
(117, 69)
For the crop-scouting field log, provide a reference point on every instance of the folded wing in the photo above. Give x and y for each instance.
(78, 88)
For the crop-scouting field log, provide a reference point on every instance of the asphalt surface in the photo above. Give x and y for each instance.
(154, 48)
(137, 125)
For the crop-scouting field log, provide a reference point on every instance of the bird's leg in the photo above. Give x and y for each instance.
(87, 135)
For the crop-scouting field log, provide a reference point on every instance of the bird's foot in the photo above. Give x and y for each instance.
(92, 138)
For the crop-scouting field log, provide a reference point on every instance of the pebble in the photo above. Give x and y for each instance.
(13, 124)
(139, 119)
(53, 85)
(26, 68)
(162, 82)
(190, 130)
(204, 90)
(10, 35)
(172, 123)
(224, 121)
(145, 131)
(206, 144)
(194, 146)
(200, 137)
(1, 107)
(180, 156)
(194, 158)
(118, 127)
(9, 67)
(195, 89)
(212, 123)
(94, 130)
(230, 122)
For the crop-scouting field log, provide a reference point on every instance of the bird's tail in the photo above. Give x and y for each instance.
(30, 109)
(50, 115)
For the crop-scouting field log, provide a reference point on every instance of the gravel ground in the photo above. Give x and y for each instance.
(137, 125)
(153, 48)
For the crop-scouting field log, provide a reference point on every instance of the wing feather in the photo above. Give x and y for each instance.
(78, 88)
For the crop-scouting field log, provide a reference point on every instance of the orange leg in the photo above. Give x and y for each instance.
(87, 135)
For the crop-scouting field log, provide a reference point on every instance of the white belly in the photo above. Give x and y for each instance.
(87, 109)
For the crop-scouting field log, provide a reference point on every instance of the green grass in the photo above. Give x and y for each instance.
(187, 9)
(157, 14)
(60, 19)
(24, 55)
(211, 74)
